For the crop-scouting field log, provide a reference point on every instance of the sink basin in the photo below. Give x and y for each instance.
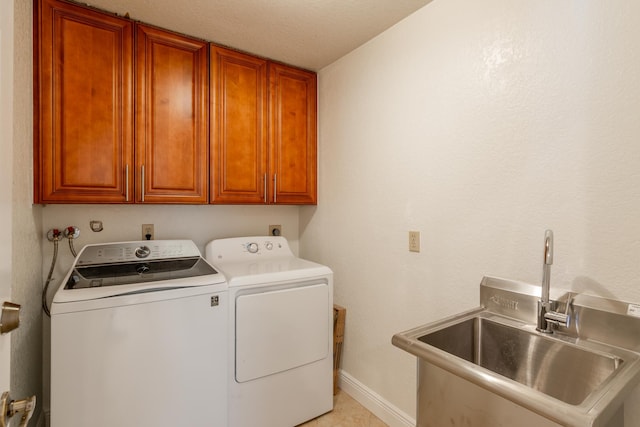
(556, 368)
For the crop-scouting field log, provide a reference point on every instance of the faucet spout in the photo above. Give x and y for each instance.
(547, 316)
(546, 267)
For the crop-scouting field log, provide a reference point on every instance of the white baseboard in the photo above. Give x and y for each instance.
(371, 400)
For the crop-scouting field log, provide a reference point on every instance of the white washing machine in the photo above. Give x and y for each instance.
(281, 332)
(139, 338)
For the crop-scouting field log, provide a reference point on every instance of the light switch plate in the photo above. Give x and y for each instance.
(414, 241)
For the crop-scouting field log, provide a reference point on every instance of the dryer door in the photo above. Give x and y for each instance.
(281, 330)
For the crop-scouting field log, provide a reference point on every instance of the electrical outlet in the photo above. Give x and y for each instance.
(414, 241)
(275, 230)
(147, 232)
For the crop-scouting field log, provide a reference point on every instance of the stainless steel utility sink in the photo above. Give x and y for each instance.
(556, 368)
(579, 376)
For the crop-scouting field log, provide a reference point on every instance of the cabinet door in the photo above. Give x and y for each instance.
(292, 122)
(171, 117)
(83, 132)
(238, 127)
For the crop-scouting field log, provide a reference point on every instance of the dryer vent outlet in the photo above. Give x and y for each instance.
(275, 230)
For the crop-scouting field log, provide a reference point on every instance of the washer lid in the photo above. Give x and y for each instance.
(127, 268)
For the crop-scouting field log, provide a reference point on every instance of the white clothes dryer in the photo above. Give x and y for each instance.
(138, 338)
(280, 332)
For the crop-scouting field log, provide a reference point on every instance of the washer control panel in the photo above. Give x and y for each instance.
(108, 253)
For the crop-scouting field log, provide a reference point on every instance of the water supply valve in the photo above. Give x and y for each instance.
(72, 232)
(54, 234)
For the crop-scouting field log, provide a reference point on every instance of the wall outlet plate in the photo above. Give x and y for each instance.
(275, 230)
(147, 232)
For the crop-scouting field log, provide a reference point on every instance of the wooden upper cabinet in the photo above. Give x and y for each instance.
(292, 135)
(172, 96)
(83, 97)
(263, 131)
(93, 75)
(238, 127)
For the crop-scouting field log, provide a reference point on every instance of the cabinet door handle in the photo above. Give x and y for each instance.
(126, 182)
(142, 182)
(264, 180)
(275, 188)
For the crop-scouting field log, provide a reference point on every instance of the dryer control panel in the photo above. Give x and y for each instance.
(246, 248)
(254, 247)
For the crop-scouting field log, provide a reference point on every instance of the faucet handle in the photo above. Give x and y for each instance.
(562, 319)
(568, 303)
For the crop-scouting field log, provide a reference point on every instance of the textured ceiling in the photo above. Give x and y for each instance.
(306, 33)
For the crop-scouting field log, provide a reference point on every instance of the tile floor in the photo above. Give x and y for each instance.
(346, 413)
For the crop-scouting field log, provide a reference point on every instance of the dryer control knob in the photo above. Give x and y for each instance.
(143, 252)
(252, 248)
(269, 246)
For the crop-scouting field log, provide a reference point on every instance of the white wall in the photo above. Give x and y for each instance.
(6, 132)
(22, 233)
(200, 223)
(480, 124)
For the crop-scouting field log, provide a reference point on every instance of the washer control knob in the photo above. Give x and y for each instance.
(252, 247)
(143, 251)
(269, 246)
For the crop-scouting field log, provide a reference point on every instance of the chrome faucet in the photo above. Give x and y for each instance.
(547, 316)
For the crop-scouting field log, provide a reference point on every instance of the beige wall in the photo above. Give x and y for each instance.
(26, 343)
(6, 167)
(200, 223)
(480, 124)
